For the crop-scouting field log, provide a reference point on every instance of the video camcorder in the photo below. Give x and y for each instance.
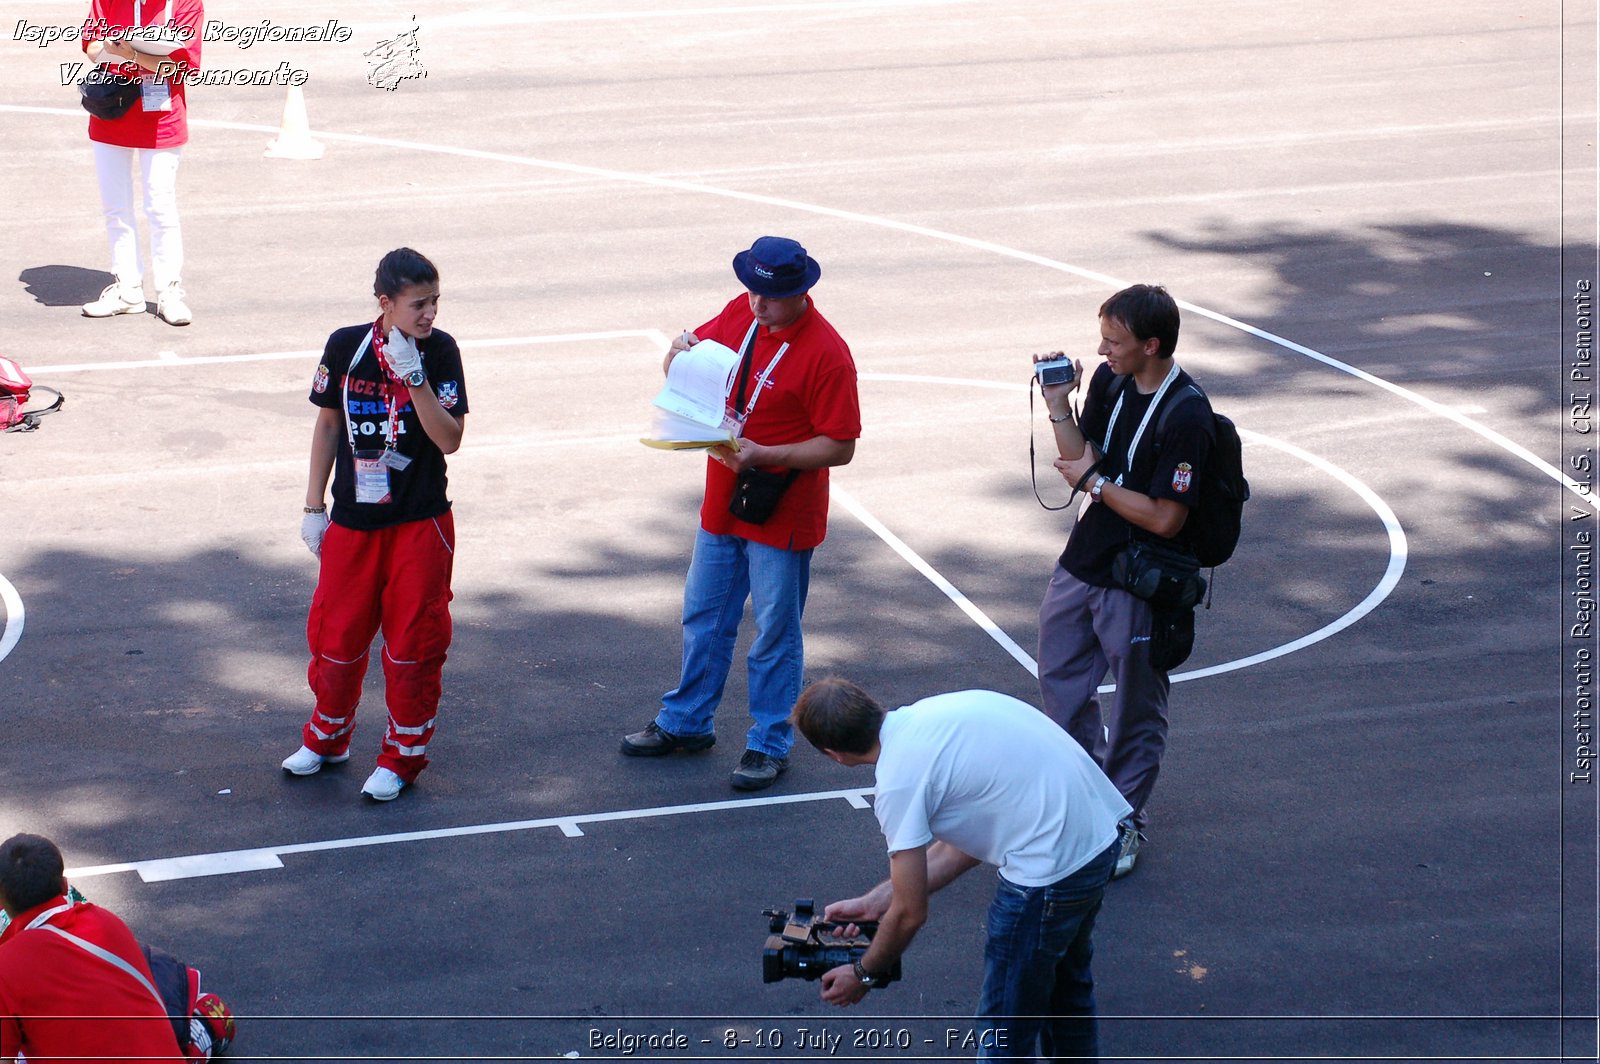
(1054, 371)
(800, 946)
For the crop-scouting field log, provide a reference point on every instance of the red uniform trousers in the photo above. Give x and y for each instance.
(395, 579)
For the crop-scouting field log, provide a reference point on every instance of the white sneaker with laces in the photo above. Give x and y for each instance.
(170, 306)
(383, 785)
(1128, 855)
(306, 761)
(117, 298)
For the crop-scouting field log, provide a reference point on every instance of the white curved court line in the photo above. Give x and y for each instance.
(679, 185)
(15, 617)
(1398, 553)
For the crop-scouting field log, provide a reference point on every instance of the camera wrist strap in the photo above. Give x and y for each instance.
(1033, 472)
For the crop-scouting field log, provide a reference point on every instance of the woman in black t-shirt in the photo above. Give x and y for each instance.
(391, 404)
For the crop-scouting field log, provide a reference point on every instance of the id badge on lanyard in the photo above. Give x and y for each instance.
(372, 466)
(154, 94)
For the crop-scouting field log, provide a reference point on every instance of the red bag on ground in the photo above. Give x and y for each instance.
(15, 388)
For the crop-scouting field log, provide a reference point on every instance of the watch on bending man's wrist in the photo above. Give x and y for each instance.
(867, 979)
(416, 380)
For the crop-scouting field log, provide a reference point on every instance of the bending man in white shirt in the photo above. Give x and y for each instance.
(968, 778)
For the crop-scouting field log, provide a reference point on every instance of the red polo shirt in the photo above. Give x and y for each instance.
(59, 1002)
(812, 392)
(140, 128)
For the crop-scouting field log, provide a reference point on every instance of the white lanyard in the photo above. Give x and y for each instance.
(138, 15)
(761, 381)
(1133, 444)
(390, 400)
(44, 917)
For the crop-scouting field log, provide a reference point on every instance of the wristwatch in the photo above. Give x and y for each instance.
(871, 982)
(416, 380)
(1094, 492)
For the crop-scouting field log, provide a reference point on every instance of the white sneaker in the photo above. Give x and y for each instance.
(383, 785)
(306, 761)
(116, 299)
(170, 306)
(1128, 855)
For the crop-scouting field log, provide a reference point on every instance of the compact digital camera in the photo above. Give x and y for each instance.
(800, 946)
(1054, 371)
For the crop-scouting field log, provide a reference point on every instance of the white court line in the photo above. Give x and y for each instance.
(674, 184)
(269, 857)
(14, 611)
(915, 560)
(15, 616)
(496, 19)
(170, 360)
(1398, 553)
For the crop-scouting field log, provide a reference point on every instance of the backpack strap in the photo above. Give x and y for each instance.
(1175, 402)
(1168, 405)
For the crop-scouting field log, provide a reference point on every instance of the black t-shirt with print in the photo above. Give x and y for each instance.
(418, 491)
(1169, 466)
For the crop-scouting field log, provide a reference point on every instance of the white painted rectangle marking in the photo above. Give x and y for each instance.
(207, 864)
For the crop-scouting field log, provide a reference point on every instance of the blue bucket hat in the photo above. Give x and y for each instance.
(776, 267)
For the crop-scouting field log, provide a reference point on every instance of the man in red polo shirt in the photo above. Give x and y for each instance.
(795, 392)
(74, 983)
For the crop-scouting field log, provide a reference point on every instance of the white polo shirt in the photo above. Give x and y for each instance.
(997, 779)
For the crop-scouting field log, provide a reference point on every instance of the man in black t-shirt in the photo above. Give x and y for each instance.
(1143, 474)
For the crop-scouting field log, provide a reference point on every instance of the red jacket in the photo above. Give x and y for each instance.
(60, 1002)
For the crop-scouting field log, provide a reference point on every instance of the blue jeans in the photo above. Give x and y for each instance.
(725, 571)
(1037, 989)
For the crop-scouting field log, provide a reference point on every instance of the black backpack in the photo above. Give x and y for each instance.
(1212, 528)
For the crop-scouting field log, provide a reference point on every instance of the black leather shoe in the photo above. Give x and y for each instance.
(653, 742)
(757, 771)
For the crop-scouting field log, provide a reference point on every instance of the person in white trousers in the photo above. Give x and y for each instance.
(149, 137)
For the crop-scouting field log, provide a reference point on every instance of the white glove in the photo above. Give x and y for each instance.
(401, 351)
(312, 528)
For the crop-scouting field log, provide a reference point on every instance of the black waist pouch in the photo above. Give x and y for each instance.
(106, 94)
(756, 494)
(1166, 576)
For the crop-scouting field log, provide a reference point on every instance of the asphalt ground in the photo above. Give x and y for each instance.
(1368, 840)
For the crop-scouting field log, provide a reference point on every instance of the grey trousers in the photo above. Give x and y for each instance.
(1084, 631)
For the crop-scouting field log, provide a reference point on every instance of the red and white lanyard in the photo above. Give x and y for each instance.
(761, 381)
(374, 339)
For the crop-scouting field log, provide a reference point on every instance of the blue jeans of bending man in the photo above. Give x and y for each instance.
(1038, 994)
(724, 572)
